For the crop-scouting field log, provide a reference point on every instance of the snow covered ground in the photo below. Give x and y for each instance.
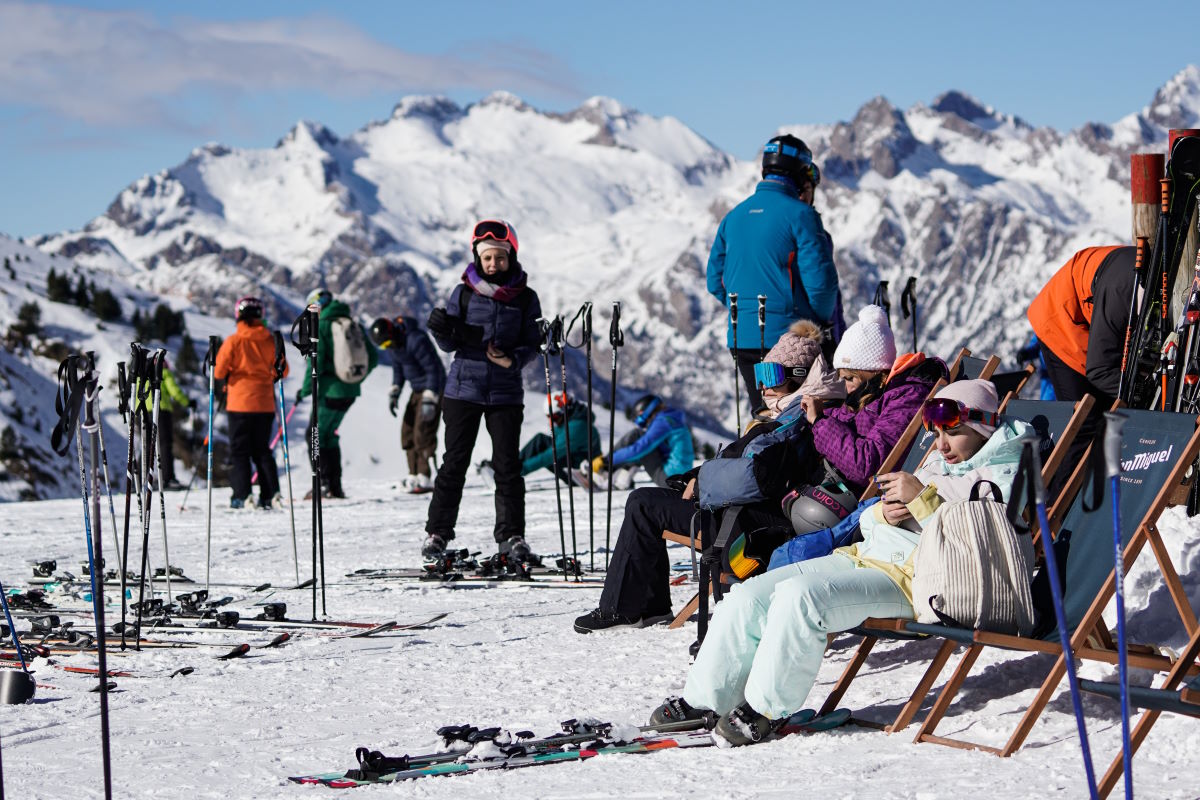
(504, 656)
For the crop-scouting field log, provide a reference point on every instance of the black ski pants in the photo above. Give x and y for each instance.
(746, 359)
(639, 574)
(250, 443)
(166, 445)
(462, 419)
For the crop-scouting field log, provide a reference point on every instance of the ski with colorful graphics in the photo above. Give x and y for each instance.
(499, 752)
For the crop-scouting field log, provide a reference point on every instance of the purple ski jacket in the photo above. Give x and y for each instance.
(856, 443)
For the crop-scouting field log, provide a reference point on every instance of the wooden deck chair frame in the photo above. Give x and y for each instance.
(893, 459)
(895, 628)
(1089, 626)
(1171, 696)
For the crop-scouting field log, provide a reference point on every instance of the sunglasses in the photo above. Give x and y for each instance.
(947, 414)
(769, 374)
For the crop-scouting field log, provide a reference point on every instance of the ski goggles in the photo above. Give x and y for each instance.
(768, 374)
(496, 229)
(947, 414)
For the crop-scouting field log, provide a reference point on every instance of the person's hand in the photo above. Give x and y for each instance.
(440, 323)
(895, 513)
(498, 357)
(299, 398)
(689, 491)
(394, 399)
(813, 408)
(192, 403)
(899, 487)
(429, 400)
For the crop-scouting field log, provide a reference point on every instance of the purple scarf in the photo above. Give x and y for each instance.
(504, 293)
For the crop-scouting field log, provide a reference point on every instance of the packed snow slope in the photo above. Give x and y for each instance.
(504, 656)
(616, 205)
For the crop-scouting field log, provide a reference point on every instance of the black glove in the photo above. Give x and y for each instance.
(1031, 353)
(447, 327)
(299, 398)
(394, 400)
(191, 402)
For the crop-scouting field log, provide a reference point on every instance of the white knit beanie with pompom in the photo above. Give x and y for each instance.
(867, 344)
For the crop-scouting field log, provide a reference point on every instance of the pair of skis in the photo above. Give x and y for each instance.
(474, 750)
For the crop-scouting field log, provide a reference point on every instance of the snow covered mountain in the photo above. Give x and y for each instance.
(615, 205)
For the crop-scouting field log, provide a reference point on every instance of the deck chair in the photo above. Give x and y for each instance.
(1160, 447)
(898, 453)
(1060, 421)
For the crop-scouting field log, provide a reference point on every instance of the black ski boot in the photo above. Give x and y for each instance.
(744, 725)
(331, 461)
(675, 710)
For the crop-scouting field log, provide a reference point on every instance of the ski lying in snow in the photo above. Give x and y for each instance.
(393, 626)
(501, 753)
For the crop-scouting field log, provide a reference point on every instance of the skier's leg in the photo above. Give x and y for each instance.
(638, 579)
(264, 459)
(240, 450)
(504, 426)
(462, 427)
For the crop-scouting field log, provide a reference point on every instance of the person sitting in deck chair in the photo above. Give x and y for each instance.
(803, 446)
(767, 638)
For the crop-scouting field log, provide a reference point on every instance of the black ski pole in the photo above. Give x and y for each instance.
(548, 348)
(308, 342)
(560, 343)
(123, 389)
(91, 424)
(881, 300)
(737, 381)
(145, 491)
(908, 304)
(210, 363)
(762, 339)
(112, 511)
(616, 339)
(584, 315)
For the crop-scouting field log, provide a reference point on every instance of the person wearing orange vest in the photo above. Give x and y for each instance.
(1080, 317)
(246, 361)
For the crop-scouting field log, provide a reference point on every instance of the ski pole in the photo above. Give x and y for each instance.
(908, 305)
(1031, 443)
(305, 337)
(91, 424)
(112, 511)
(737, 381)
(584, 315)
(12, 630)
(881, 300)
(156, 377)
(280, 365)
(548, 345)
(560, 344)
(145, 490)
(616, 339)
(762, 338)
(123, 389)
(210, 364)
(191, 481)
(1115, 423)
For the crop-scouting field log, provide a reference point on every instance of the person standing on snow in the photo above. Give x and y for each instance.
(171, 400)
(246, 362)
(337, 394)
(773, 244)
(661, 442)
(414, 359)
(490, 323)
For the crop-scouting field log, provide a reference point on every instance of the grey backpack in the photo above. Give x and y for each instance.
(351, 361)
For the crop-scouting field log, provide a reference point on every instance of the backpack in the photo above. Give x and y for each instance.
(972, 567)
(351, 362)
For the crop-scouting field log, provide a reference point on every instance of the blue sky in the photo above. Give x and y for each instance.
(95, 94)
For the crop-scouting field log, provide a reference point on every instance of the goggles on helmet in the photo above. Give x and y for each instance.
(320, 297)
(768, 374)
(496, 229)
(947, 414)
(775, 152)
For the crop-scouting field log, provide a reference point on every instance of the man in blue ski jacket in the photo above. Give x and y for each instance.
(662, 444)
(773, 244)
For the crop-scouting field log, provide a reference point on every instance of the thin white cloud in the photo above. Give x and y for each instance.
(123, 68)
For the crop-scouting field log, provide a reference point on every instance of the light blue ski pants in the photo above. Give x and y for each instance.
(767, 637)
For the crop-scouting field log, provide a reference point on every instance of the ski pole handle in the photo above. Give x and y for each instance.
(733, 304)
(762, 310)
(1032, 442)
(122, 391)
(1113, 437)
(616, 338)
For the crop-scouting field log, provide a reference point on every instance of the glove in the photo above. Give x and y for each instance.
(447, 327)
(429, 400)
(600, 464)
(394, 399)
(192, 402)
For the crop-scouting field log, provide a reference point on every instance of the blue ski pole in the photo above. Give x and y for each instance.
(1031, 443)
(1115, 423)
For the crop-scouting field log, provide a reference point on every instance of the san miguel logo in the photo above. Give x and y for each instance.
(1147, 460)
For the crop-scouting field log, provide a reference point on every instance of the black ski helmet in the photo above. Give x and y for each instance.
(388, 333)
(642, 411)
(248, 308)
(790, 157)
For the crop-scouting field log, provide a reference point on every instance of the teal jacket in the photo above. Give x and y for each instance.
(582, 427)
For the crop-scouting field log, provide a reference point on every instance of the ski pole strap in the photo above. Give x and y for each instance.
(550, 335)
(584, 317)
(881, 299)
(556, 331)
(67, 403)
(91, 388)
(280, 356)
(156, 363)
(908, 298)
(616, 337)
